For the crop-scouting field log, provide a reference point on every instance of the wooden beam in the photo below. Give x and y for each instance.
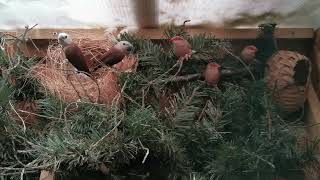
(156, 33)
(316, 61)
(146, 12)
(313, 115)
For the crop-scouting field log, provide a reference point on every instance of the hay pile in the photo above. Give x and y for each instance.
(59, 77)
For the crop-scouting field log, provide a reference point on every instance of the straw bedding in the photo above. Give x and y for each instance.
(59, 77)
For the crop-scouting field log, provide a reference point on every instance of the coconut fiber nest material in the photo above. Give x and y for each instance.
(59, 77)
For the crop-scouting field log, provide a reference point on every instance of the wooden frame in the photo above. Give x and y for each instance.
(156, 33)
(313, 111)
(313, 114)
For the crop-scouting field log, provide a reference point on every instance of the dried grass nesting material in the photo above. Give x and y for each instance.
(288, 77)
(25, 111)
(59, 78)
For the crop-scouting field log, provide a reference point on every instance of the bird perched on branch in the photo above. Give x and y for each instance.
(248, 54)
(181, 48)
(116, 53)
(212, 74)
(73, 53)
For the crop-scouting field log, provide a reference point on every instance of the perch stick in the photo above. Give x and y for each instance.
(23, 37)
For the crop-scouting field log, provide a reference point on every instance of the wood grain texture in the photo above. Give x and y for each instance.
(316, 61)
(156, 33)
(146, 13)
(313, 114)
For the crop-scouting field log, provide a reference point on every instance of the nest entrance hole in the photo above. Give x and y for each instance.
(301, 72)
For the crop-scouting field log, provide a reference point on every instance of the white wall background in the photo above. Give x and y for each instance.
(110, 13)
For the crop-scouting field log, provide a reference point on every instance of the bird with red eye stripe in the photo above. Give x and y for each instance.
(181, 48)
(73, 53)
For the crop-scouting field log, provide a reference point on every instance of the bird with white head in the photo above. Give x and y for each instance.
(73, 53)
(64, 39)
(124, 46)
(115, 54)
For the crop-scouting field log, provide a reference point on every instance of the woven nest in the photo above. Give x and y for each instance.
(288, 77)
(59, 77)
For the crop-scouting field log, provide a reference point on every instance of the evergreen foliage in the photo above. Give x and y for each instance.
(202, 133)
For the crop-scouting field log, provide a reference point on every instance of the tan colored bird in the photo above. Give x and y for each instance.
(181, 48)
(248, 54)
(212, 74)
(73, 53)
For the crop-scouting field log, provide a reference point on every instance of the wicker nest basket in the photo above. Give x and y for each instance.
(59, 77)
(288, 77)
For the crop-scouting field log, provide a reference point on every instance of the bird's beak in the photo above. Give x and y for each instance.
(130, 48)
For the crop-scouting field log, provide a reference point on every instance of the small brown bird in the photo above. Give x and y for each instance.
(73, 53)
(116, 53)
(248, 54)
(212, 74)
(181, 48)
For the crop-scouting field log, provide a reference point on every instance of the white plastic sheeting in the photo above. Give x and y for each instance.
(111, 13)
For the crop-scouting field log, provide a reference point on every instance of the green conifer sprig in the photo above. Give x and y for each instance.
(202, 133)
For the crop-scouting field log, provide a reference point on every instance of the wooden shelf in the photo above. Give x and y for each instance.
(156, 33)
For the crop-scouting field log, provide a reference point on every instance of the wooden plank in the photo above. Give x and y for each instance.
(156, 33)
(316, 61)
(146, 12)
(314, 108)
(46, 175)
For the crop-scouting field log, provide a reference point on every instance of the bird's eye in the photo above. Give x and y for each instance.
(65, 37)
(124, 43)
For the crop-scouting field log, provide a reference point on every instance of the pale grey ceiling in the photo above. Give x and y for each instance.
(110, 13)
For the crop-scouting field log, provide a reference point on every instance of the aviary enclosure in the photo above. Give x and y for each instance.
(180, 100)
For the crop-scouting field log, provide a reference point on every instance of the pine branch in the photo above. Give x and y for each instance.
(193, 77)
